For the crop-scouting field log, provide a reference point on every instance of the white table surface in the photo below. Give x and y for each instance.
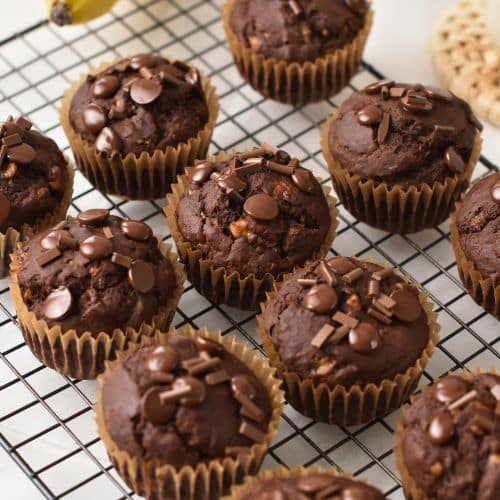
(398, 46)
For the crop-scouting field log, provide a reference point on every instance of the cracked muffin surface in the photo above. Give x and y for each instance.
(255, 212)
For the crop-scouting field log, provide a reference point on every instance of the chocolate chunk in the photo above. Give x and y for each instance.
(450, 389)
(48, 256)
(208, 345)
(454, 161)
(96, 247)
(322, 336)
(4, 207)
(321, 299)
(341, 265)
(141, 276)
(12, 140)
(438, 93)
(58, 303)
(407, 306)
(383, 129)
(107, 142)
(231, 182)
(136, 230)
(376, 87)
(105, 87)
(145, 91)
(303, 179)
(22, 153)
(262, 207)
(217, 377)
(441, 428)
(241, 383)
(93, 217)
(163, 359)
(121, 260)
(197, 390)
(369, 115)
(364, 338)
(24, 123)
(345, 319)
(153, 409)
(252, 432)
(312, 483)
(397, 92)
(201, 172)
(94, 118)
(416, 103)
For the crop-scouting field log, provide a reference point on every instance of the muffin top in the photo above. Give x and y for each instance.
(314, 486)
(451, 438)
(96, 272)
(256, 212)
(139, 104)
(297, 30)
(33, 174)
(184, 402)
(478, 224)
(403, 134)
(346, 321)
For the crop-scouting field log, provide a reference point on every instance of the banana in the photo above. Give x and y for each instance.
(64, 12)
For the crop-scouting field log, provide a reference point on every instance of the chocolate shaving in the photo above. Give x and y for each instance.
(173, 395)
(353, 276)
(382, 274)
(386, 301)
(327, 273)
(278, 167)
(294, 7)
(3, 151)
(345, 320)
(373, 288)
(236, 450)
(48, 256)
(383, 128)
(381, 308)
(322, 336)
(444, 128)
(107, 232)
(203, 366)
(248, 407)
(306, 282)
(217, 377)
(251, 432)
(462, 400)
(374, 313)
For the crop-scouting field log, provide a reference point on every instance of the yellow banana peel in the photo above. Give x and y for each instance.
(64, 12)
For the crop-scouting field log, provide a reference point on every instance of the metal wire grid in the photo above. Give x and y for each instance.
(40, 407)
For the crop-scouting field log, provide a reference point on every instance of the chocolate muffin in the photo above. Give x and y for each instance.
(195, 412)
(343, 331)
(302, 484)
(36, 183)
(448, 442)
(401, 154)
(242, 221)
(134, 124)
(297, 51)
(475, 233)
(97, 278)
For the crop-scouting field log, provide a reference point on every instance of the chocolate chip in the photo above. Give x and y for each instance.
(407, 306)
(197, 390)
(438, 93)
(145, 91)
(105, 86)
(107, 142)
(364, 338)
(136, 230)
(454, 161)
(441, 428)
(242, 383)
(192, 77)
(94, 118)
(376, 87)
(208, 345)
(50, 241)
(93, 217)
(369, 115)
(153, 409)
(495, 192)
(201, 172)
(262, 207)
(303, 179)
(313, 483)
(228, 181)
(96, 247)
(383, 129)
(141, 276)
(58, 303)
(146, 60)
(23, 154)
(450, 389)
(65, 241)
(416, 103)
(357, 492)
(321, 299)
(163, 359)
(4, 207)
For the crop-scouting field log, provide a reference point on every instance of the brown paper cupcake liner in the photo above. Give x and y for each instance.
(482, 289)
(293, 82)
(393, 208)
(147, 176)
(358, 404)
(207, 481)
(216, 283)
(411, 490)
(82, 356)
(10, 240)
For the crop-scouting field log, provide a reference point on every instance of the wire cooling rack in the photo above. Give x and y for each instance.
(46, 420)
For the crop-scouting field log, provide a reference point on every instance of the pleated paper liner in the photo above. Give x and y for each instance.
(482, 289)
(396, 209)
(216, 283)
(82, 355)
(358, 404)
(147, 176)
(293, 82)
(10, 240)
(207, 481)
(411, 490)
